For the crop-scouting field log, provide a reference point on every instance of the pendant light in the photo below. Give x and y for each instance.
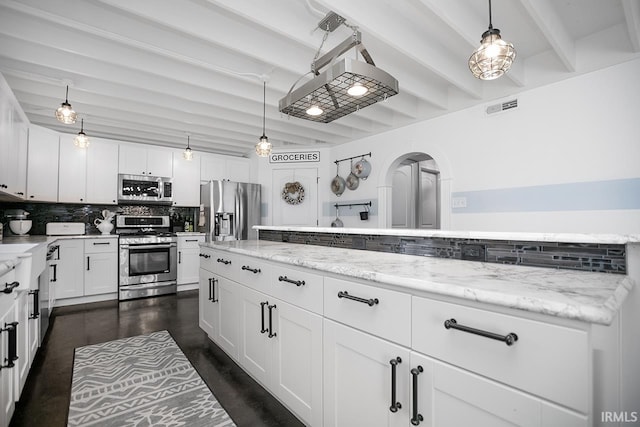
(81, 140)
(493, 57)
(65, 113)
(187, 154)
(263, 147)
(314, 107)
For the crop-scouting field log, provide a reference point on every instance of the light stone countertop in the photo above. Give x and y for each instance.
(487, 235)
(584, 296)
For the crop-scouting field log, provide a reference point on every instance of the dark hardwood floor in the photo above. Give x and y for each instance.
(45, 398)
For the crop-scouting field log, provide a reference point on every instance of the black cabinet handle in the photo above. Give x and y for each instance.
(295, 282)
(205, 256)
(416, 418)
(262, 304)
(101, 243)
(253, 270)
(88, 263)
(36, 304)
(9, 287)
(210, 286)
(509, 339)
(213, 287)
(179, 257)
(20, 193)
(191, 240)
(55, 272)
(224, 261)
(370, 302)
(271, 333)
(394, 404)
(12, 351)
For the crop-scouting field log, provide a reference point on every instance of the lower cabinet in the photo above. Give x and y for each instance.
(7, 374)
(188, 259)
(69, 277)
(207, 306)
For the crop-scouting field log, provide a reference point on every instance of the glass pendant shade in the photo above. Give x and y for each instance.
(357, 89)
(187, 154)
(493, 57)
(65, 113)
(263, 147)
(81, 140)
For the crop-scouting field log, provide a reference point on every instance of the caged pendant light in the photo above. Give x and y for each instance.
(493, 57)
(263, 147)
(65, 113)
(187, 154)
(81, 140)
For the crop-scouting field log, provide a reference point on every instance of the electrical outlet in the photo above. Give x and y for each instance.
(459, 202)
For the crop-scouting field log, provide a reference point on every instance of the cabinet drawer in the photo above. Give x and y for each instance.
(381, 312)
(297, 287)
(219, 262)
(190, 242)
(92, 246)
(548, 360)
(207, 259)
(252, 272)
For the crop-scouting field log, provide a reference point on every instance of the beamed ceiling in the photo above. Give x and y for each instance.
(151, 71)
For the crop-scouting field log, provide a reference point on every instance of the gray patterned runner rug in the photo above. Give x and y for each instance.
(144, 380)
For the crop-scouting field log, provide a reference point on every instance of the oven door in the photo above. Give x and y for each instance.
(147, 263)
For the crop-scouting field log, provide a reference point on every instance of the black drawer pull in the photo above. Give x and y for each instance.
(509, 339)
(36, 304)
(271, 333)
(394, 404)
(204, 255)
(191, 240)
(224, 261)
(295, 282)
(370, 302)
(101, 243)
(12, 349)
(9, 287)
(253, 270)
(263, 329)
(416, 418)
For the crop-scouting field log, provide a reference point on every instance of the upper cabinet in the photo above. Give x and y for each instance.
(140, 160)
(42, 166)
(13, 146)
(88, 175)
(217, 168)
(186, 180)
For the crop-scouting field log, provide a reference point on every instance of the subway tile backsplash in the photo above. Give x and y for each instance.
(604, 258)
(42, 213)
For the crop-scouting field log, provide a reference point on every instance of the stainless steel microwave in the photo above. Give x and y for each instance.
(144, 189)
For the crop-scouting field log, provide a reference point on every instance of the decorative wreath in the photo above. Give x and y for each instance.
(293, 193)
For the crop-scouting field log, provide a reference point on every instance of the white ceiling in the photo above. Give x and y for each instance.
(152, 71)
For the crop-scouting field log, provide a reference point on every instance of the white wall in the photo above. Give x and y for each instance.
(582, 130)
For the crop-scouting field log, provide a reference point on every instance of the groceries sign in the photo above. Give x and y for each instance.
(295, 157)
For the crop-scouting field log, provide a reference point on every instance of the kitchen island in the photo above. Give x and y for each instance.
(470, 334)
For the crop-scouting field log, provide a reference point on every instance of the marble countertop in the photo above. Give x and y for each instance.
(577, 295)
(488, 235)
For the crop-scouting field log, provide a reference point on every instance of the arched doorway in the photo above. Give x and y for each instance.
(415, 192)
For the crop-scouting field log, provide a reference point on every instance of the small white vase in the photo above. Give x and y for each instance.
(105, 227)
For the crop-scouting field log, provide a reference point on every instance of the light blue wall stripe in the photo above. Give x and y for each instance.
(328, 208)
(614, 194)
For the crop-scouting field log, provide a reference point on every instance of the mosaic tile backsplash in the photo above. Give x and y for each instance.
(604, 258)
(42, 213)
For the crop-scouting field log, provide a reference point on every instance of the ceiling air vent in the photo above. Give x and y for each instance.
(507, 105)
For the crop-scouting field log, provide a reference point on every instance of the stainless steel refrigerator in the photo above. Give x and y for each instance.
(229, 210)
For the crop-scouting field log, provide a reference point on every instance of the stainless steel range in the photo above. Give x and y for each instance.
(148, 256)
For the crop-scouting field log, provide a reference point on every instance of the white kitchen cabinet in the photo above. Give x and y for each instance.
(140, 160)
(227, 333)
(217, 168)
(69, 270)
(188, 258)
(186, 180)
(207, 306)
(34, 326)
(7, 375)
(101, 266)
(42, 165)
(72, 171)
(358, 381)
(13, 145)
(102, 172)
(23, 341)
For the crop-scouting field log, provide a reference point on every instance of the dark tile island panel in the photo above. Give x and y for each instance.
(594, 257)
(42, 213)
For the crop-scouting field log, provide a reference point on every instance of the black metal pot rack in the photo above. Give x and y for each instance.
(337, 205)
(351, 158)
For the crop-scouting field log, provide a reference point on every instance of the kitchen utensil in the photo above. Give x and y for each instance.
(337, 222)
(361, 169)
(364, 215)
(338, 184)
(20, 226)
(352, 181)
